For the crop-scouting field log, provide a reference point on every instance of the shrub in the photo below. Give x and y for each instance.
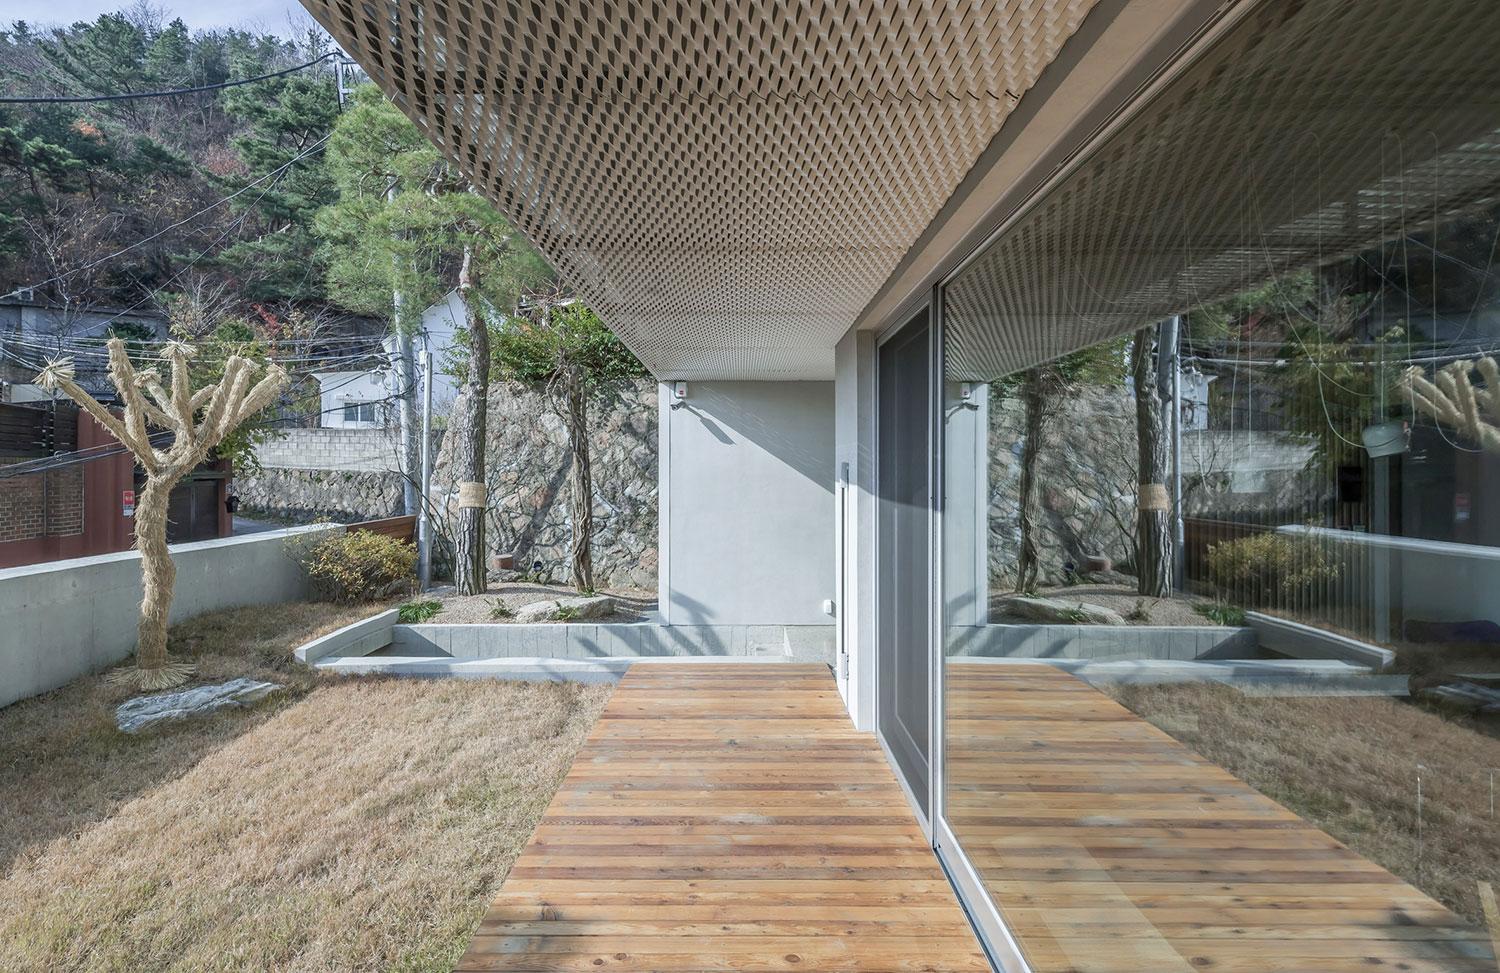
(1221, 614)
(358, 566)
(417, 612)
(500, 610)
(1263, 568)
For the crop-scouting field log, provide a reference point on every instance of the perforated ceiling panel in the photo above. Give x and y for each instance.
(1315, 129)
(727, 184)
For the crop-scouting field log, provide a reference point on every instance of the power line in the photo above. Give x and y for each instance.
(46, 464)
(132, 95)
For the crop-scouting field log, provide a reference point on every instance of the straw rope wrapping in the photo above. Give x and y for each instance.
(1451, 398)
(200, 420)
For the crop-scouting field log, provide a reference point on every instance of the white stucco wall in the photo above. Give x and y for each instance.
(68, 618)
(338, 389)
(747, 509)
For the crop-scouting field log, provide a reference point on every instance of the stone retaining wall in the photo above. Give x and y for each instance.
(310, 496)
(528, 467)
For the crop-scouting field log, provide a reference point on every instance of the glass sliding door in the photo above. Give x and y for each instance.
(903, 540)
(1295, 299)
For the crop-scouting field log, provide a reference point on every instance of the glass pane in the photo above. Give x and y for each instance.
(1221, 459)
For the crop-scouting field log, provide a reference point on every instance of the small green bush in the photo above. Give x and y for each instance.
(358, 566)
(417, 612)
(500, 610)
(1221, 614)
(1263, 568)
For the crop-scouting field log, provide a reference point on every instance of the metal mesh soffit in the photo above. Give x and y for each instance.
(727, 185)
(1313, 130)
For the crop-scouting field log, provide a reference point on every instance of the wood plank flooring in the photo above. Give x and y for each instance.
(1112, 848)
(726, 817)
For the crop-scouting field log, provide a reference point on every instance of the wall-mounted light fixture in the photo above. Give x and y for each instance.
(1386, 438)
(679, 394)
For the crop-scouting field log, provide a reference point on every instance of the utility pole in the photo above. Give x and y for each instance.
(1169, 378)
(424, 521)
(406, 384)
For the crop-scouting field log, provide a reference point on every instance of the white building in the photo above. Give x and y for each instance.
(364, 399)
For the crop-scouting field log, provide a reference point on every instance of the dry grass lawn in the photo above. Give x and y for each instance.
(1349, 765)
(344, 825)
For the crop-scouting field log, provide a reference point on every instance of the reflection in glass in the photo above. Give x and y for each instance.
(1291, 255)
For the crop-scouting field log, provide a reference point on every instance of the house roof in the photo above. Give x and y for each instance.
(728, 186)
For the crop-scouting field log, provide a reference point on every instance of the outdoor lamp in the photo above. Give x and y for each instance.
(1387, 438)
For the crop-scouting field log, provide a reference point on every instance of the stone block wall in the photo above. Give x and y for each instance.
(528, 465)
(331, 449)
(311, 496)
(1087, 478)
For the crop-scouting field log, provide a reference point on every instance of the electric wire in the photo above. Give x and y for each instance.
(133, 95)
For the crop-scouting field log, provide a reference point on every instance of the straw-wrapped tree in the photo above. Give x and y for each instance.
(1453, 398)
(169, 429)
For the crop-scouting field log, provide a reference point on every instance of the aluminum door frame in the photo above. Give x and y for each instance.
(923, 815)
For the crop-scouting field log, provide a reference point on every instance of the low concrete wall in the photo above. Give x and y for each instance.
(797, 643)
(525, 670)
(1309, 642)
(1102, 642)
(360, 638)
(65, 619)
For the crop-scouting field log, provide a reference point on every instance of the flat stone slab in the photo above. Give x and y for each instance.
(1466, 695)
(581, 608)
(1058, 611)
(145, 712)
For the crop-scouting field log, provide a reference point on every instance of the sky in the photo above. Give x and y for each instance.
(270, 15)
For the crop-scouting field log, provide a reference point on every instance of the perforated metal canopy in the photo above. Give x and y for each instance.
(726, 184)
(1315, 129)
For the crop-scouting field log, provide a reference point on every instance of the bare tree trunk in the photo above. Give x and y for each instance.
(159, 575)
(1034, 398)
(582, 480)
(1153, 542)
(468, 531)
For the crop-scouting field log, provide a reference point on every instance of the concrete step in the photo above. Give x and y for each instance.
(1280, 677)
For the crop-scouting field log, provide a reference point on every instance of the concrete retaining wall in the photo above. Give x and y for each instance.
(361, 638)
(1102, 642)
(1309, 642)
(65, 619)
(797, 643)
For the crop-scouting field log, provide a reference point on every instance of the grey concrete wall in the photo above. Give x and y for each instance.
(1310, 642)
(795, 643)
(68, 618)
(361, 638)
(1181, 643)
(747, 504)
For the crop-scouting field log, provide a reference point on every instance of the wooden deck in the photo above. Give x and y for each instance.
(726, 817)
(1112, 847)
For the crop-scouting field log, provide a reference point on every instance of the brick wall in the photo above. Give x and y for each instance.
(41, 504)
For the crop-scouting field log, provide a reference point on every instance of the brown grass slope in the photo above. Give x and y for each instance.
(346, 825)
(1349, 765)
